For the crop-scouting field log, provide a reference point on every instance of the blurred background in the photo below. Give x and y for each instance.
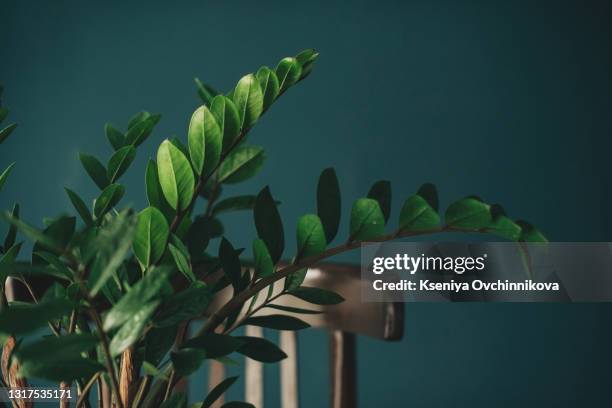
(508, 101)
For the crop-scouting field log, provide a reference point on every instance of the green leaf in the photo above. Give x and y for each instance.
(112, 244)
(187, 360)
(429, 192)
(329, 203)
(291, 309)
(186, 305)
(288, 72)
(56, 264)
(310, 236)
(468, 213)
(269, 224)
(215, 345)
(7, 260)
(242, 164)
(137, 118)
(260, 350)
(417, 215)
(114, 136)
(3, 114)
(23, 318)
(141, 130)
(109, 197)
(228, 119)
(216, 392)
(367, 220)
(59, 232)
(238, 203)
(175, 176)
(119, 162)
(11, 234)
(249, 101)
(317, 296)
(307, 59)
(181, 257)
(145, 290)
(381, 192)
(230, 263)
(132, 328)
(276, 322)
(158, 342)
(151, 236)
(269, 85)
(33, 233)
(200, 233)
(155, 196)
(4, 175)
(505, 228)
(79, 206)
(95, 169)
(6, 132)
(64, 363)
(205, 92)
(263, 262)
(205, 140)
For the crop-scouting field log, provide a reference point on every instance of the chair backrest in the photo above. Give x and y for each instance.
(381, 320)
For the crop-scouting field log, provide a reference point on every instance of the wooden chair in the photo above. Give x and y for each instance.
(384, 321)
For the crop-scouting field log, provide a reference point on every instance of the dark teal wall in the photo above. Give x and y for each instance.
(509, 101)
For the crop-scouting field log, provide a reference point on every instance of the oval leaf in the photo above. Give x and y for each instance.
(263, 261)
(269, 224)
(329, 203)
(310, 236)
(417, 215)
(109, 197)
(367, 220)
(119, 162)
(132, 329)
(277, 322)
(175, 176)
(228, 119)
(317, 296)
(242, 164)
(260, 350)
(249, 101)
(79, 206)
(468, 213)
(288, 72)
(114, 136)
(95, 169)
(151, 236)
(269, 85)
(204, 137)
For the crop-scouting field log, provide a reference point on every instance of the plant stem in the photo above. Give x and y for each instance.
(87, 388)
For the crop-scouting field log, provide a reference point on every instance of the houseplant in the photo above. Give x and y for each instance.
(124, 286)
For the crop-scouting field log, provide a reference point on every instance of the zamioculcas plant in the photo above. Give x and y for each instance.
(124, 286)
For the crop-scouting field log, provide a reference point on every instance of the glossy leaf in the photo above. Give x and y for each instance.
(263, 261)
(367, 220)
(505, 227)
(317, 296)
(109, 197)
(249, 101)
(132, 329)
(5, 174)
(329, 203)
(95, 169)
(242, 164)
(381, 192)
(141, 130)
(205, 139)
(119, 162)
(180, 254)
(288, 72)
(80, 206)
(114, 136)
(277, 322)
(142, 293)
(260, 349)
(269, 85)
(417, 215)
(6, 132)
(307, 59)
(152, 231)
(310, 236)
(175, 176)
(155, 195)
(269, 224)
(228, 119)
(468, 213)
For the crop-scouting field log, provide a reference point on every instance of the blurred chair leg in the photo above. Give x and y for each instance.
(253, 373)
(289, 370)
(343, 370)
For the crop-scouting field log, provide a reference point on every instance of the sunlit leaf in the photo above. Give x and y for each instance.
(152, 232)
(228, 119)
(119, 162)
(310, 236)
(417, 215)
(205, 141)
(468, 213)
(269, 85)
(249, 101)
(175, 176)
(367, 220)
(242, 164)
(288, 72)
